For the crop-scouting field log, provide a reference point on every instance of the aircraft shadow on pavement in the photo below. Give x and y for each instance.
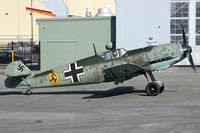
(94, 94)
(114, 92)
(122, 90)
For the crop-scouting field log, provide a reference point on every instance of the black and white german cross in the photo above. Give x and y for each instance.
(74, 72)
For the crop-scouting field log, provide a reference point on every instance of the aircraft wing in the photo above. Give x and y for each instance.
(123, 72)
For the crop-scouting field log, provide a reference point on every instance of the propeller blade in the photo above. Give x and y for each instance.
(189, 56)
(184, 37)
(189, 49)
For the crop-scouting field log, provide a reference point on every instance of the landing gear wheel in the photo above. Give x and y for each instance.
(29, 92)
(152, 89)
(162, 89)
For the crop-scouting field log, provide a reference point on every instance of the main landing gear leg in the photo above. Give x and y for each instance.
(154, 87)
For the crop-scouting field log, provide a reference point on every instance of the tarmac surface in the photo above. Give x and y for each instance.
(106, 108)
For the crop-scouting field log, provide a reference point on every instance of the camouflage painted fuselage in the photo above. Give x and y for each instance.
(104, 68)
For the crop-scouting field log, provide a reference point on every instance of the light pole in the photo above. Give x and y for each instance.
(31, 34)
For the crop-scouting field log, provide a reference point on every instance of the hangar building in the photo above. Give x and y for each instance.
(140, 23)
(15, 21)
(138, 28)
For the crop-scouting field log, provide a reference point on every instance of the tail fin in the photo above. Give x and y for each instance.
(16, 72)
(17, 69)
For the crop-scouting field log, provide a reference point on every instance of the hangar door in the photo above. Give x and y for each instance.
(59, 51)
(142, 22)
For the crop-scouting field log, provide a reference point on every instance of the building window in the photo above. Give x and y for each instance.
(179, 17)
(198, 40)
(197, 9)
(179, 9)
(176, 39)
(197, 26)
(198, 23)
(176, 26)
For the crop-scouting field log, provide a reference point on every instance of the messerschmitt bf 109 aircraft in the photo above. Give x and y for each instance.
(112, 66)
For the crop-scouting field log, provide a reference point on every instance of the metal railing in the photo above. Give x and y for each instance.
(24, 51)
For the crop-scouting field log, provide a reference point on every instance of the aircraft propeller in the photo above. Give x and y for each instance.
(187, 50)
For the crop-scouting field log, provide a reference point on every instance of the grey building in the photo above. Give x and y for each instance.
(65, 40)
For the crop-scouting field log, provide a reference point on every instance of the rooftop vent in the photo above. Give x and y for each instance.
(104, 11)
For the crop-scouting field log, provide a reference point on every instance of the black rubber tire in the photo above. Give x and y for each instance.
(162, 89)
(152, 89)
(29, 92)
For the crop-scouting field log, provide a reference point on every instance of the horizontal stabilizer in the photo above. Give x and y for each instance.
(17, 69)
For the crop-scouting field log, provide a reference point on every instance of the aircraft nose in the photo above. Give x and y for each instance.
(187, 49)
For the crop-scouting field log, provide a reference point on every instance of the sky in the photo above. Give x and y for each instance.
(57, 7)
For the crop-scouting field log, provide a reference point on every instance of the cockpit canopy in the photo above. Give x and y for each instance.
(114, 54)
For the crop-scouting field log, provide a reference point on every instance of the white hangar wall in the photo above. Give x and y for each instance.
(141, 22)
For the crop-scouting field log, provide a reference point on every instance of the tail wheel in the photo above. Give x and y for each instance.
(29, 92)
(153, 89)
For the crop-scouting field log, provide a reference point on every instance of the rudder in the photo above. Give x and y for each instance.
(17, 69)
(16, 72)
